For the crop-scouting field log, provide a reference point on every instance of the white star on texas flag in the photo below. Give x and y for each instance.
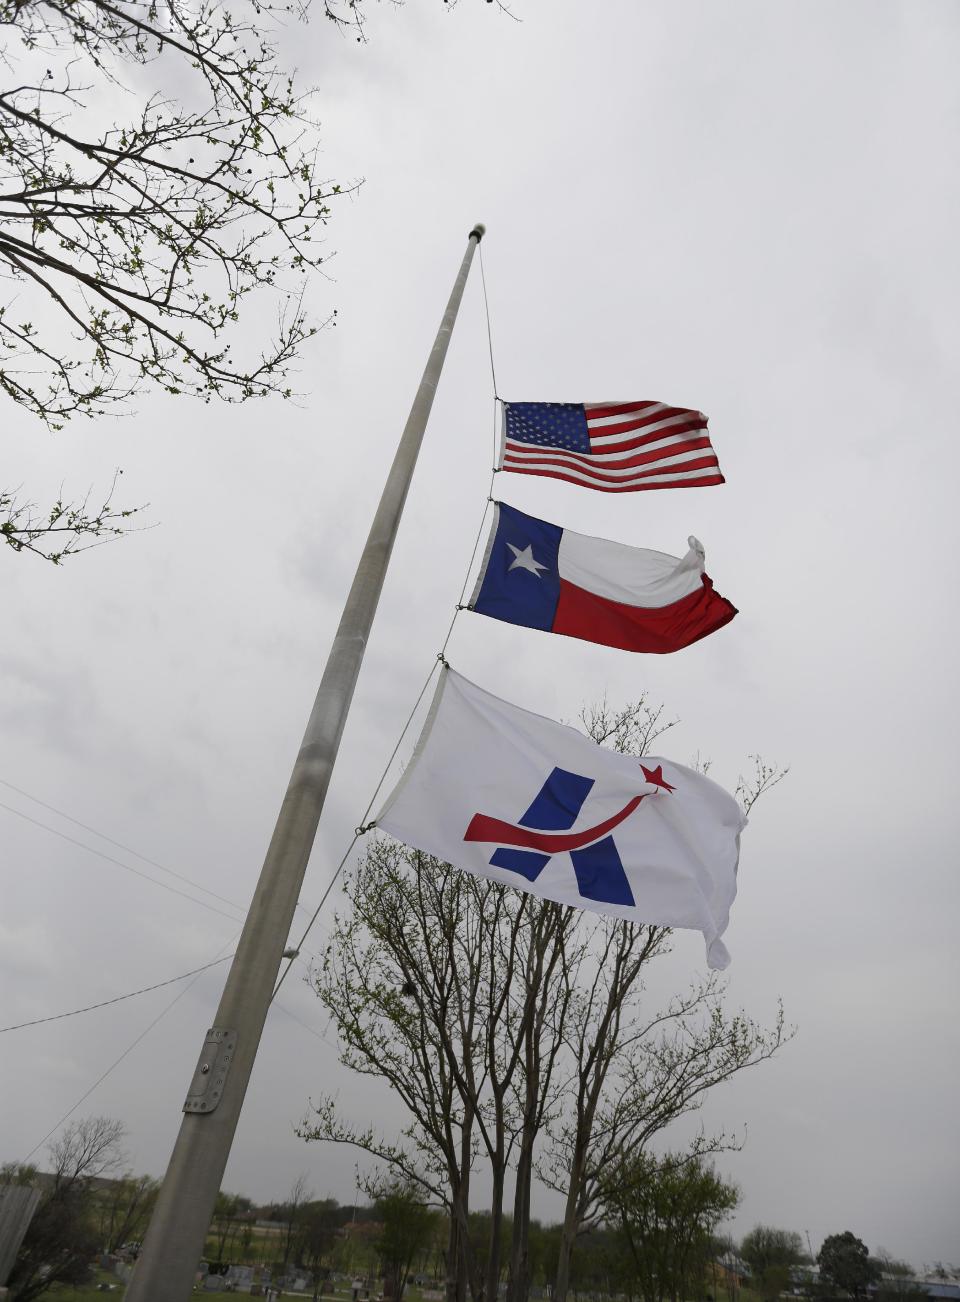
(523, 560)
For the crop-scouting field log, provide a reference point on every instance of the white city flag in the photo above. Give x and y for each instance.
(506, 794)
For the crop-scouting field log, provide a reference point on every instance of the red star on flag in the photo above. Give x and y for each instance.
(656, 777)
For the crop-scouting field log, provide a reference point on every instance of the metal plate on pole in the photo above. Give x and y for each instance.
(206, 1088)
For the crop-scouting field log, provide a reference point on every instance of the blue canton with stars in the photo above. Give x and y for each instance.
(510, 590)
(549, 424)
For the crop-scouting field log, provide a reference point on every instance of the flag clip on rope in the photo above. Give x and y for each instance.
(213, 1066)
(508, 795)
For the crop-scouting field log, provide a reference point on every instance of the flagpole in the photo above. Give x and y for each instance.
(174, 1242)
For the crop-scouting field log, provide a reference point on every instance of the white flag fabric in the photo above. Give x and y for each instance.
(506, 794)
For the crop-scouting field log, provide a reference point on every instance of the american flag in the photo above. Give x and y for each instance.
(616, 447)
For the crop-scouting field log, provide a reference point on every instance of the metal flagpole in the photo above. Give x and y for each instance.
(174, 1242)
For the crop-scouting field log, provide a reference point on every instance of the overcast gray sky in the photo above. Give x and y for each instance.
(750, 208)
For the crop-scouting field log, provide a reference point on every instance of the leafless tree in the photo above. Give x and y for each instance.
(299, 1196)
(157, 174)
(63, 528)
(143, 238)
(62, 1236)
(124, 1208)
(228, 1210)
(437, 983)
(86, 1150)
(159, 182)
(634, 1072)
(516, 1033)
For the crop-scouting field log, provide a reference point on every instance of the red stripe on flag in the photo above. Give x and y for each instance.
(572, 461)
(622, 408)
(655, 631)
(655, 436)
(640, 458)
(694, 421)
(630, 487)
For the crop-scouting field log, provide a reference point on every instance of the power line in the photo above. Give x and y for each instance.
(129, 1049)
(119, 863)
(313, 1031)
(38, 1021)
(195, 974)
(120, 846)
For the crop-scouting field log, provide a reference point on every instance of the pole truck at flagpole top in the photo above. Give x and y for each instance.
(166, 1269)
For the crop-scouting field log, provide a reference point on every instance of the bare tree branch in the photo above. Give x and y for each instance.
(64, 528)
(517, 1035)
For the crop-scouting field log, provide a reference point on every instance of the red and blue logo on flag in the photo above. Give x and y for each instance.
(544, 830)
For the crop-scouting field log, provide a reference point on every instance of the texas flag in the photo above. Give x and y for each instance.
(542, 576)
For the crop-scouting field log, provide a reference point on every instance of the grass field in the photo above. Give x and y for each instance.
(412, 1294)
(61, 1293)
(90, 1291)
(65, 1294)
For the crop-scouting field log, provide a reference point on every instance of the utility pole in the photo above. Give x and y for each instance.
(174, 1242)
